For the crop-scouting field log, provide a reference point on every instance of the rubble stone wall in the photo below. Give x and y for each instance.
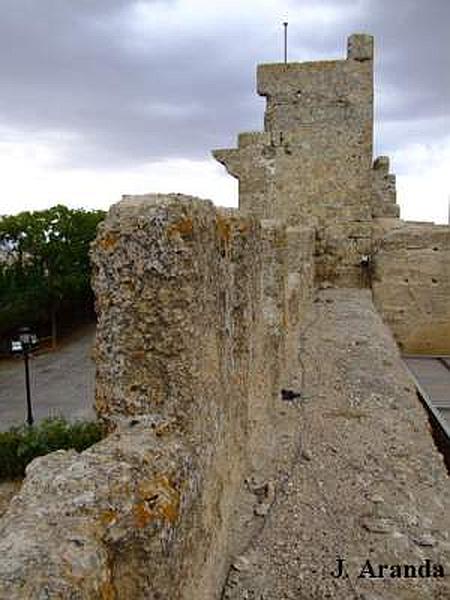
(411, 286)
(198, 312)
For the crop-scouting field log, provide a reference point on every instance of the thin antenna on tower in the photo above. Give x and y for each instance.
(448, 215)
(285, 25)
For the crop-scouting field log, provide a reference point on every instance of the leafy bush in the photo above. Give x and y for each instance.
(19, 445)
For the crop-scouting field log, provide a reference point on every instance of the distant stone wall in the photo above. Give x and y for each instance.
(198, 311)
(411, 286)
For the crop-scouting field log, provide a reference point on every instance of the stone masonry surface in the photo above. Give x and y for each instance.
(313, 163)
(199, 311)
(411, 286)
(368, 482)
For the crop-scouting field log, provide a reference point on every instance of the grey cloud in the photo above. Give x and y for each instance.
(76, 67)
(64, 72)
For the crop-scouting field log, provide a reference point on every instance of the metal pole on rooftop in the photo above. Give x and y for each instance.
(285, 24)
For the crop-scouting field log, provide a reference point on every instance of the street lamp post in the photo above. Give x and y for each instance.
(285, 25)
(26, 342)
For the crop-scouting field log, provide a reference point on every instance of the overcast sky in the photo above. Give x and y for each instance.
(101, 98)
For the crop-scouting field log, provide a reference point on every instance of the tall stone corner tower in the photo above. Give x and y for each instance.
(312, 164)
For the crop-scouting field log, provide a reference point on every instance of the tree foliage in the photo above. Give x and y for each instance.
(44, 263)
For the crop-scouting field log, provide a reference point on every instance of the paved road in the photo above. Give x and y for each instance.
(62, 383)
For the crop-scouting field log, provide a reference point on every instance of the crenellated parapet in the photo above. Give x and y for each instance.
(312, 163)
(384, 194)
(323, 94)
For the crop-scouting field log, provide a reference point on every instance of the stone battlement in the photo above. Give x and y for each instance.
(313, 163)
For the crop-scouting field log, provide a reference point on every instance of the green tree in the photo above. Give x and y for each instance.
(45, 264)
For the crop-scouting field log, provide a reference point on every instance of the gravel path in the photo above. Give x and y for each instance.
(62, 383)
(366, 481)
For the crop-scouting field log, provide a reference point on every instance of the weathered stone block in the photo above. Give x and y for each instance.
(198, 310)
(411, 286)
(360, 47)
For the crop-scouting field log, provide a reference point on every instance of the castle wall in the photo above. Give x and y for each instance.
(313, 163)
(411, 286)
(199, 311)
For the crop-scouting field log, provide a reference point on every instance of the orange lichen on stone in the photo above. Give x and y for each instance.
(182, 228)
(142, 515)
(108, 241)
(159, 500)
(164, 428)
(223, 228)
(108, 517)
(107, 591)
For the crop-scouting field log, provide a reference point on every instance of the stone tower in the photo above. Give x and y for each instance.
(312, 164)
